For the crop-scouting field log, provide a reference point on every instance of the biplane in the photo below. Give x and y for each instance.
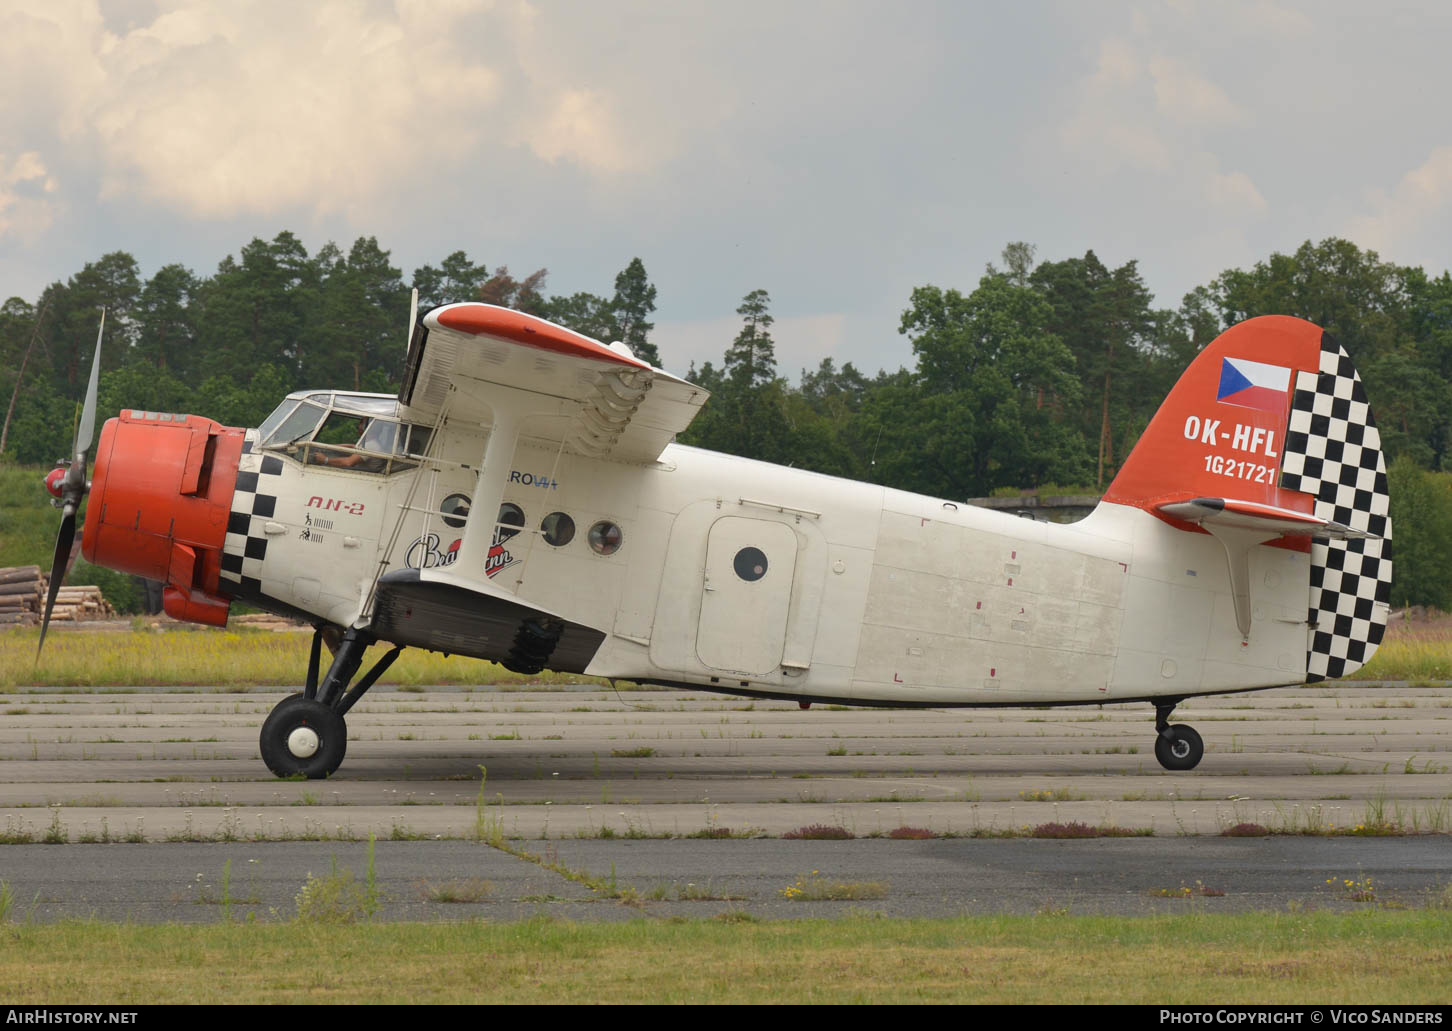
(522, 500)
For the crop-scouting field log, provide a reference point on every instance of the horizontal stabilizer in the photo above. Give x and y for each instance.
(1252, 515)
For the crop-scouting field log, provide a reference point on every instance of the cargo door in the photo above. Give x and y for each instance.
(746, 595)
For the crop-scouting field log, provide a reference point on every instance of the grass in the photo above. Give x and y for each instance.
(1324, 957)
(1418, 660)
(202, 655)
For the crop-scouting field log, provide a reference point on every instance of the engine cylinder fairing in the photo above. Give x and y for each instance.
(160, 497)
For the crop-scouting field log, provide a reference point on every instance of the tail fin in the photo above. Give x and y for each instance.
(1268, 436)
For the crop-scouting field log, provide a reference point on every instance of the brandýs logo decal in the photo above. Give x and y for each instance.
(499, 555)
(424, 553)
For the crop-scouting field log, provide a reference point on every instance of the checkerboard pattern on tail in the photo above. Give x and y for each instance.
(253, 503)
(1333, 451)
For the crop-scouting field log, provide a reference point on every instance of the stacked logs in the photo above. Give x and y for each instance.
(22, 599)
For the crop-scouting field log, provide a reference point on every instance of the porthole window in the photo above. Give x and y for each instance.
(557, 529)
(605, 538)
(455, 509)
(750, 564)
(510, 515)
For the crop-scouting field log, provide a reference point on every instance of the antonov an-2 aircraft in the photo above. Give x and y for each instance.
(1243, 545)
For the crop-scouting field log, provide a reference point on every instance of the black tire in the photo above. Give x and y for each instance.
(295, 713)
(1180, 748)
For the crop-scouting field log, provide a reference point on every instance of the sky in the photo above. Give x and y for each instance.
(836, 154)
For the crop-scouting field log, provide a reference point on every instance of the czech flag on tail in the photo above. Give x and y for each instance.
(1253, 385)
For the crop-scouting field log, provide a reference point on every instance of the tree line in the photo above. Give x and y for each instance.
(1042, 375)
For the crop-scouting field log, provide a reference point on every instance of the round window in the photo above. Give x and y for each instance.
(557, 529)
(455, 509)
(511, 518)
(750, 564)
(605, 538)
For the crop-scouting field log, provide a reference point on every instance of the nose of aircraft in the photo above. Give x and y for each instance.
(160, 496)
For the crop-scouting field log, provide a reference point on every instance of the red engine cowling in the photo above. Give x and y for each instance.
(160, 496)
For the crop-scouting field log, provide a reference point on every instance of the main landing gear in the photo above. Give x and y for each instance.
(305, 733)
(1177, 747)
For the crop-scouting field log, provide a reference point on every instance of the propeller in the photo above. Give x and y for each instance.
(71, 488)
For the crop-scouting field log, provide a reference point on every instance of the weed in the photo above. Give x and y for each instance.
(721, 832)
(1245, 830)
(468, 889)
(737, 916)
(1052, 795)
(1353, 890)
(338, 898)
(7, 901)
(1185, 891)
(839, 750)
(693, 892)
(56, 834)
(488, 829)
(632, 753)
(1075, 829)
(813, 887)
(819, 832)
(1427, 767)
(911, 834)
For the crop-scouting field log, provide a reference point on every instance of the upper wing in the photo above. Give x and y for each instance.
(593, 399)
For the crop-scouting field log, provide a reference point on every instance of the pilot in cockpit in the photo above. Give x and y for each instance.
(374, 435)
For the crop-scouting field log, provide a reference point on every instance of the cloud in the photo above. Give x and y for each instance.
(1424, 193)
(583, 128)
(27, 202)
(1185, 96)
(264, 108)
(213, 110)
(1233, 192)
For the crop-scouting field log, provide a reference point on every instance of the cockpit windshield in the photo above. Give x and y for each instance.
(360, 432)
(298, 424)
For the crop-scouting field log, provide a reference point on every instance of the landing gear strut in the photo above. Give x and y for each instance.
(1177, 747)
(305, 733)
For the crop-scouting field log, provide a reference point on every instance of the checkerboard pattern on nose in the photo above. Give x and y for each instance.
(1333, 451)
(253, 503)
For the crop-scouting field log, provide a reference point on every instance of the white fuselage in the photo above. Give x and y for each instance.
(850, 591)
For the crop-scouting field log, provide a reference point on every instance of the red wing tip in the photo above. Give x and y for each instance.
(491, 320)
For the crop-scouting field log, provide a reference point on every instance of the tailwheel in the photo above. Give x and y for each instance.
(303, 736)
(1177, 747)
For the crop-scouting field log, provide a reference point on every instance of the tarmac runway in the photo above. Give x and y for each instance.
(131, 802)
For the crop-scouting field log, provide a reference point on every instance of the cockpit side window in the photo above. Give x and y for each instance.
(366, 444)
(273, 421)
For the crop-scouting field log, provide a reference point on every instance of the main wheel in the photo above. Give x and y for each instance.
(303, 736)
(1180, 748)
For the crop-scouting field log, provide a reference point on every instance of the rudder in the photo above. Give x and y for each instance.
(1333, 452)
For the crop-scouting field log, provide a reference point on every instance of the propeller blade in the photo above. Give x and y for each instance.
(63, 542)
(86, 429)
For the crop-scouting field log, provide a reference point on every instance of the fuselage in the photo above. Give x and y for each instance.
(743, 576)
